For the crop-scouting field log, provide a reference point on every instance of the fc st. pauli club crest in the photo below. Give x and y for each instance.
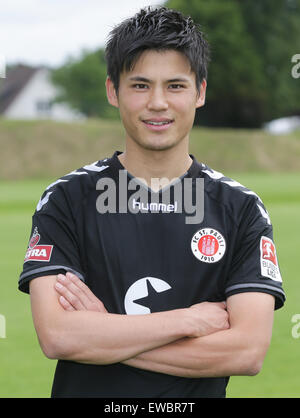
(208, 245)
(37, 252)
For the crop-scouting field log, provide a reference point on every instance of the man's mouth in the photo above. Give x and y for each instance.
(152, 122)
(158, 123)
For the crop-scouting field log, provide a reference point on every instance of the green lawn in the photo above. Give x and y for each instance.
(280, 374)
(25, 372)
(44, 148)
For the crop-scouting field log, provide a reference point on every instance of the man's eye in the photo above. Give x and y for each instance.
(140, 86)
(176, 86)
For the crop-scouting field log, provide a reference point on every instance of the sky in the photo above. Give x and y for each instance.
(47, 32)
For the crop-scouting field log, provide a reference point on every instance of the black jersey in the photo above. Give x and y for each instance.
(147, 257)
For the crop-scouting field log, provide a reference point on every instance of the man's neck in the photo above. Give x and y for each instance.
(148, 165)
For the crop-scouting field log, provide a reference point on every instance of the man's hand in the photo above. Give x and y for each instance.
(214, 317)
(206, 317)
(75, 295)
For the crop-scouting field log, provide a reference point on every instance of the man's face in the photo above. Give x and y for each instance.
(157, 99)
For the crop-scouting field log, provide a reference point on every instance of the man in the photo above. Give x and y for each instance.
(129, 297)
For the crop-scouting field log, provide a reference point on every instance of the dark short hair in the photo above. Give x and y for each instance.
(159, 29)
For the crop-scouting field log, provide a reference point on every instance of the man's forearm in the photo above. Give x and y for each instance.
(239, 350)
(223, 353)
(103, 338)
(98, 337)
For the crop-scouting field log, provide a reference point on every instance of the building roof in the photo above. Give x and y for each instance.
(16, 79)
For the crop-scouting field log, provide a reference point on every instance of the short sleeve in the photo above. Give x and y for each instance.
(254, 266)
(53, 245)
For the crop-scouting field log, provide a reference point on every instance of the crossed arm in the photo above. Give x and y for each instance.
(72, 324)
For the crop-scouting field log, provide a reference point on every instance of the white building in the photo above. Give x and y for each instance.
(28, 93)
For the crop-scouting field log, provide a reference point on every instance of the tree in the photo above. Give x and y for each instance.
(275, 30)
(82, 81)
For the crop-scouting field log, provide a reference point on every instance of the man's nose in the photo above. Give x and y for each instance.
(158, 100)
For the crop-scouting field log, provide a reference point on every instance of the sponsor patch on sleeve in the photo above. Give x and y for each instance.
(268, 260)
(37, 252)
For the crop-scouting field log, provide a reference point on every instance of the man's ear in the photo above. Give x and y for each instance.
(201, 96)
(111, 93)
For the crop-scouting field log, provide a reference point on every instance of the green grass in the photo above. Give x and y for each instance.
(41, 149)
(25, 372)
(280, 374)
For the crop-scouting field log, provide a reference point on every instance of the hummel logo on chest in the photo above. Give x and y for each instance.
(154, 207)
